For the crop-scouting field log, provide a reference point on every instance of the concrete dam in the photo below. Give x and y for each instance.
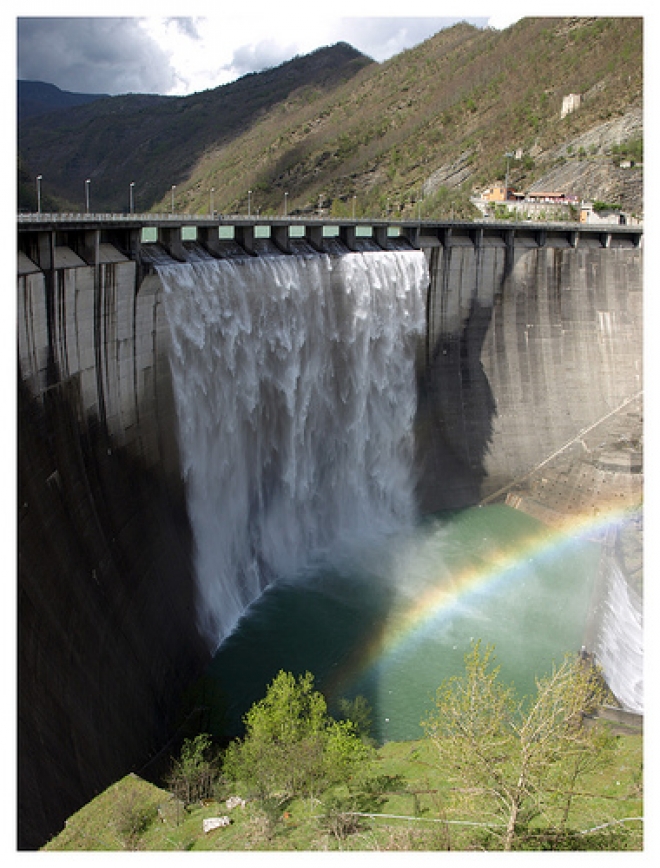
(490, 351)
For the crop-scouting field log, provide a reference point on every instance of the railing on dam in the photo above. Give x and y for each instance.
(39, 234)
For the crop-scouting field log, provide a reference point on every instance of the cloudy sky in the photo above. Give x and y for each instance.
(196, 45)
(174, 54)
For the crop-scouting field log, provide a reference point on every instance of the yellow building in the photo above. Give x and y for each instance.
(495, 194)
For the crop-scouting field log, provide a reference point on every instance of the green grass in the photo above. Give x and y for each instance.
(133, 814)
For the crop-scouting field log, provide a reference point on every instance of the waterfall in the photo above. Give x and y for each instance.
(295, 389)
(619, 643)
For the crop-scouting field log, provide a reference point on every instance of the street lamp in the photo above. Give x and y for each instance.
(130, 196)
(286, 196)
(211, 208)
(506, 177)
(354, 198)
(249, 202)
(172, 191)
(87, 183)
(39, 177)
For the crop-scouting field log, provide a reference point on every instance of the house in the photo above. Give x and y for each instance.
(500, 193)
(550, 197)
(494, 194)
(610, 215)
(570, 103)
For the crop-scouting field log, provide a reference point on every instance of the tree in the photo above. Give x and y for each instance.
(291, 745)
(193, 774)
(358, 711)
(509, 752)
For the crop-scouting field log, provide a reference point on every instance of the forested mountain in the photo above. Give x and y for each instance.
(38, 98)
(338, 132)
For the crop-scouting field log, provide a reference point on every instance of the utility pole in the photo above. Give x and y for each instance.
(508, 156)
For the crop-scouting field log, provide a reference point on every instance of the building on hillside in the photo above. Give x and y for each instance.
(610, 215)
(493, 194)
(500, 193)
(550, 198)
(542, 205)
(570, 103)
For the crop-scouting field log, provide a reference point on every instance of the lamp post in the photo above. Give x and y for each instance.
(172, 192)
(286, 196)
(354, 198)
(508, 156)
(249, 203)
(131, 203)
(87, 183)
(211, 208)
(39, 177)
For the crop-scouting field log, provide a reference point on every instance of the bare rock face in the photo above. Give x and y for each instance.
(450, 175)
(585, 166)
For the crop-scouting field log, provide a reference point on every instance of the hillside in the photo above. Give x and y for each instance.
(156, 140)
(431, 124)
(134, 814)
(38, 98)
(438, 120)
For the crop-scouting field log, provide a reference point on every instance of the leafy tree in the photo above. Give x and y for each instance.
(292, 746)
(193, 775)
(508, 752)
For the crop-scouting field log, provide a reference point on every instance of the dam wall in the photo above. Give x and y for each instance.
(527, 346)
(532, 336)
(107, 641)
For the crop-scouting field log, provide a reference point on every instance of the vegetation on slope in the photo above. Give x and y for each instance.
(38, 98)
(156, 140)
(491, 774)
(459, 101)
(338, 133)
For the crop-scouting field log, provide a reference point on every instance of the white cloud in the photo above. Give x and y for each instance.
(224, 48)
(180, 55)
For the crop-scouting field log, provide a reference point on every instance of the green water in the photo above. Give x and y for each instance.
(397, 618)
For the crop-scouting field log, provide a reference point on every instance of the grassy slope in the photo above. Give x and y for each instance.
(105, 823)
(381, 136)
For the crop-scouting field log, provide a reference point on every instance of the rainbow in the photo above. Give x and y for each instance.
(443, 599)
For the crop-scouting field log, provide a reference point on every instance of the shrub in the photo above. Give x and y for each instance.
(292, 746)
(194, 775)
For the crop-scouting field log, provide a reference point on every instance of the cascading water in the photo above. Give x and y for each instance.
(619, 639)
(295, 388)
